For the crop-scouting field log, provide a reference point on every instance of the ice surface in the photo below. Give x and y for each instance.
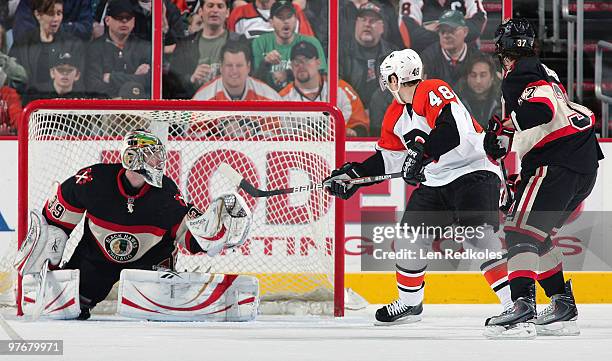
(447, 332)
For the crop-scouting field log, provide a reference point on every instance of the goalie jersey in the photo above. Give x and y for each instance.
(123, 226)
(455, 138)
(550, 129)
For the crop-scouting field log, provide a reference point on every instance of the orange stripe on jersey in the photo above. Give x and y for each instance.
(388, 139)
(477, 126)
(286, 90)
(430, 97)
(409, 281)
(497, 273)
(405, 34)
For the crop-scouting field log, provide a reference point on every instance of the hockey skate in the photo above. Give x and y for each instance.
(397, 313)
(515, 322)
(559, 318)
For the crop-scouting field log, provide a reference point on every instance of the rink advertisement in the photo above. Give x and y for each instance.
(584, 244)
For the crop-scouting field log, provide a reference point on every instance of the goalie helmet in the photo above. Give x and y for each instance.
(404, 65)
(144, 153)
(514, 38)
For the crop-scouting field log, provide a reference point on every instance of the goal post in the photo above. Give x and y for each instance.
(296, 243)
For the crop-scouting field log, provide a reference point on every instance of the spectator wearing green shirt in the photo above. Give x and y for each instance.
(271, 51)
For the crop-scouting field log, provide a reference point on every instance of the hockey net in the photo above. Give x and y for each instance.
(292, 247)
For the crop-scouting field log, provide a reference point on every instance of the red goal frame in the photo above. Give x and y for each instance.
(185, 105)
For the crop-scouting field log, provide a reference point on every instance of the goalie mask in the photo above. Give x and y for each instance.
(144, 153)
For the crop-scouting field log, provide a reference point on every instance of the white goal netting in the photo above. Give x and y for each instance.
(291, 246)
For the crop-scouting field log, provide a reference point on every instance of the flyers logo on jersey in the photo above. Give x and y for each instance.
(83, 176)
(121, 247)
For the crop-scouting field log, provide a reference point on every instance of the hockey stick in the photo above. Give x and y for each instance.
(243, 184)
(509, 199)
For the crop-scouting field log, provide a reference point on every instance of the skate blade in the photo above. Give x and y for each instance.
(401, 321)
(563, 328)
(520, 331)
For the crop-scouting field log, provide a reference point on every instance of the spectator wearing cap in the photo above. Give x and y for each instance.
(118, 56)
(271, 51)
(419, 20)
(350, 9)
(197, 58)
(173, 26)
(309, 84)
(360, 58)
(235, 82)
(77, 18)
(253, 19)
(36, 50)
(64, 75)
(447, 58)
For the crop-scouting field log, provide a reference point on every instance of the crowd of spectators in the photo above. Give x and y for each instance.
(239, 50)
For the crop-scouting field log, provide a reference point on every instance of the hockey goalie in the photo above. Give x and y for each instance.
(135, 217)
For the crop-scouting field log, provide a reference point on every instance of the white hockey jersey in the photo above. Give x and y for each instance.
(430, 97)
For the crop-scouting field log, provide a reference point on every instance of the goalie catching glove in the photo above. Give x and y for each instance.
(498, 139)
(224, 225)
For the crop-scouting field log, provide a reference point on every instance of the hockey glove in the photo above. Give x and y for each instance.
(335, 185)
(498, 139)
(412, 170)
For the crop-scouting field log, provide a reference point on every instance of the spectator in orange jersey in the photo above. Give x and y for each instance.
(253, 19)
(235, 82)
(310, 85)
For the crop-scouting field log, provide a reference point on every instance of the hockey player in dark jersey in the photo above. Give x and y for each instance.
(134, 218)
(559, 153)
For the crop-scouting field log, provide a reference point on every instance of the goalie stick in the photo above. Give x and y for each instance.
(243, 184)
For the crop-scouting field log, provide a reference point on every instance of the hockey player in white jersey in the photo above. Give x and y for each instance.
(429, 135)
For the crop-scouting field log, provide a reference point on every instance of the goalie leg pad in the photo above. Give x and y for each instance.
(61, 296)
(43, 242)
(187, 296)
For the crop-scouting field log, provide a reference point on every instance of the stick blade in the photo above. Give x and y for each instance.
(231, 174)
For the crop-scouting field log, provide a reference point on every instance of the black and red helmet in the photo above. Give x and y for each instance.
(515, 38)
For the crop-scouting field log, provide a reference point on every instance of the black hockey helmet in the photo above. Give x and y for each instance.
(515, 38)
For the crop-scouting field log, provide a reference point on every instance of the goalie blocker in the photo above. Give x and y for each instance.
(153, 295)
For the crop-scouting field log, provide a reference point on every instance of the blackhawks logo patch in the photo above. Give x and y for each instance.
(121, 247)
